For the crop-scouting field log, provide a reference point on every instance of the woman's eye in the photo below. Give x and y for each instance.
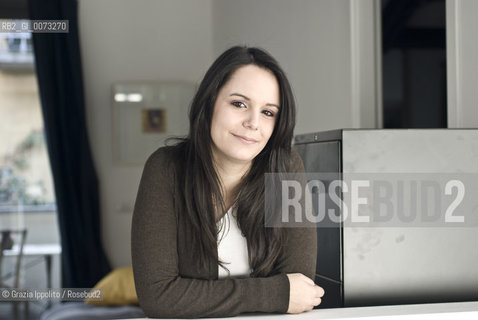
(268, 113)
(238, 104)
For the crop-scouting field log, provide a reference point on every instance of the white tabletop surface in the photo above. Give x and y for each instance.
(35, 249)
(435, 311)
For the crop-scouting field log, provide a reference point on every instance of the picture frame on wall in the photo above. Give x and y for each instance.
(145, 114)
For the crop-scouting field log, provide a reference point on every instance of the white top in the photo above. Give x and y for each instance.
(232, 247)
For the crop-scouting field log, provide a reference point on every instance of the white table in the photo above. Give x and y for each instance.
(434, 311)
(44, 251)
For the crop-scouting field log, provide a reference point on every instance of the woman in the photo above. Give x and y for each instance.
(199, 245)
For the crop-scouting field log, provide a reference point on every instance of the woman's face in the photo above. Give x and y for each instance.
(244, 115)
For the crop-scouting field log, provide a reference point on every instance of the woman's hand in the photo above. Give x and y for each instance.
(304, 293)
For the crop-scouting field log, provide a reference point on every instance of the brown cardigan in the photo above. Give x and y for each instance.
(171, 283)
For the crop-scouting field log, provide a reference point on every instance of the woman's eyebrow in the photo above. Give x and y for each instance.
(248, 99)
(241, 95)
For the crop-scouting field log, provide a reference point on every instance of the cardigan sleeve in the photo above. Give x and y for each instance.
(162, 292)
(299, 253)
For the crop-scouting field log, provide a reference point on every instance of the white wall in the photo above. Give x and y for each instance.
(462, 53)
(310, 39)
(178, 39)
(134, 40)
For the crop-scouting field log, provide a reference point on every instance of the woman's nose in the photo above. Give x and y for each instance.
(251, 121)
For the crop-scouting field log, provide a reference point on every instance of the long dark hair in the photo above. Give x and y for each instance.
(199, 182)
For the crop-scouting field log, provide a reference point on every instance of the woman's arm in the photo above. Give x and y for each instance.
(299, 254)
(162, 292)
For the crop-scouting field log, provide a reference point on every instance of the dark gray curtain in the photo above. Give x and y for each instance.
(58, 67)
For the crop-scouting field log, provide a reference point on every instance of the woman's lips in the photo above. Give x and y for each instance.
(245, 140)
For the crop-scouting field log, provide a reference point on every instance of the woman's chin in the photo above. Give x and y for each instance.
(242, 157)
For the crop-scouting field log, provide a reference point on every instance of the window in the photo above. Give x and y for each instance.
(27, 198)
(414, 64)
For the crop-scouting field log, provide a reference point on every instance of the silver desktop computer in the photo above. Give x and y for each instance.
(418, 241)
